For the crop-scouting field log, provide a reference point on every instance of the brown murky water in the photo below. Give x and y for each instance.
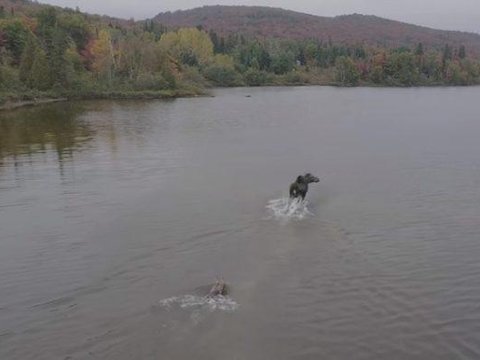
(116, 216)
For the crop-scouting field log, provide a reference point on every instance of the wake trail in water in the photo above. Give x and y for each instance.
(286, 208)
(194, 302)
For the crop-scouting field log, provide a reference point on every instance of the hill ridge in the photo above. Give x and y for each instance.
(275, 22)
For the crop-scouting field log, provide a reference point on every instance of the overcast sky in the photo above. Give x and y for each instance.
(444, 14)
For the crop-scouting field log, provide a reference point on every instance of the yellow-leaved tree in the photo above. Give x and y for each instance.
(189, 45)
(104, 57)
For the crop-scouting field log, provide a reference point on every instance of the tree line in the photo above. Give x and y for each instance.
(326, 62)
(66, 52)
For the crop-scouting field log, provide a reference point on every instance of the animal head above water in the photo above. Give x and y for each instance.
(309, 178)
(218, 289)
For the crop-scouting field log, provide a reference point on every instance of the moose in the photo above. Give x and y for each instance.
(299, 188)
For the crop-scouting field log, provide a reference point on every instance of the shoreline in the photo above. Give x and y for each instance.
(12, 105)
(14, 102)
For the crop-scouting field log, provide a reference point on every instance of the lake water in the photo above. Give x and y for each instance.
(116, 218)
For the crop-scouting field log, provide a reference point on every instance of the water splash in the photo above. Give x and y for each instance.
(216, 303)
(287, 208)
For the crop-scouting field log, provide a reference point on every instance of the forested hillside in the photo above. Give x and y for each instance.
(48, 51)
(265, 22)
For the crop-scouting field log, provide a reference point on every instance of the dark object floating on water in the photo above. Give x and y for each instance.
(248, 96)
(218, 289)
(300, 187)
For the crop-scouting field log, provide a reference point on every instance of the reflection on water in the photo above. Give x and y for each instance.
(28, 131)
(31, 133)
(65, 129)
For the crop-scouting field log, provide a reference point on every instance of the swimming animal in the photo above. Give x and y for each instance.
(299, 188)
(218, 289)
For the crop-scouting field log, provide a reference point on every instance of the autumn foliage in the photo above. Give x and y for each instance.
(66, 52)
